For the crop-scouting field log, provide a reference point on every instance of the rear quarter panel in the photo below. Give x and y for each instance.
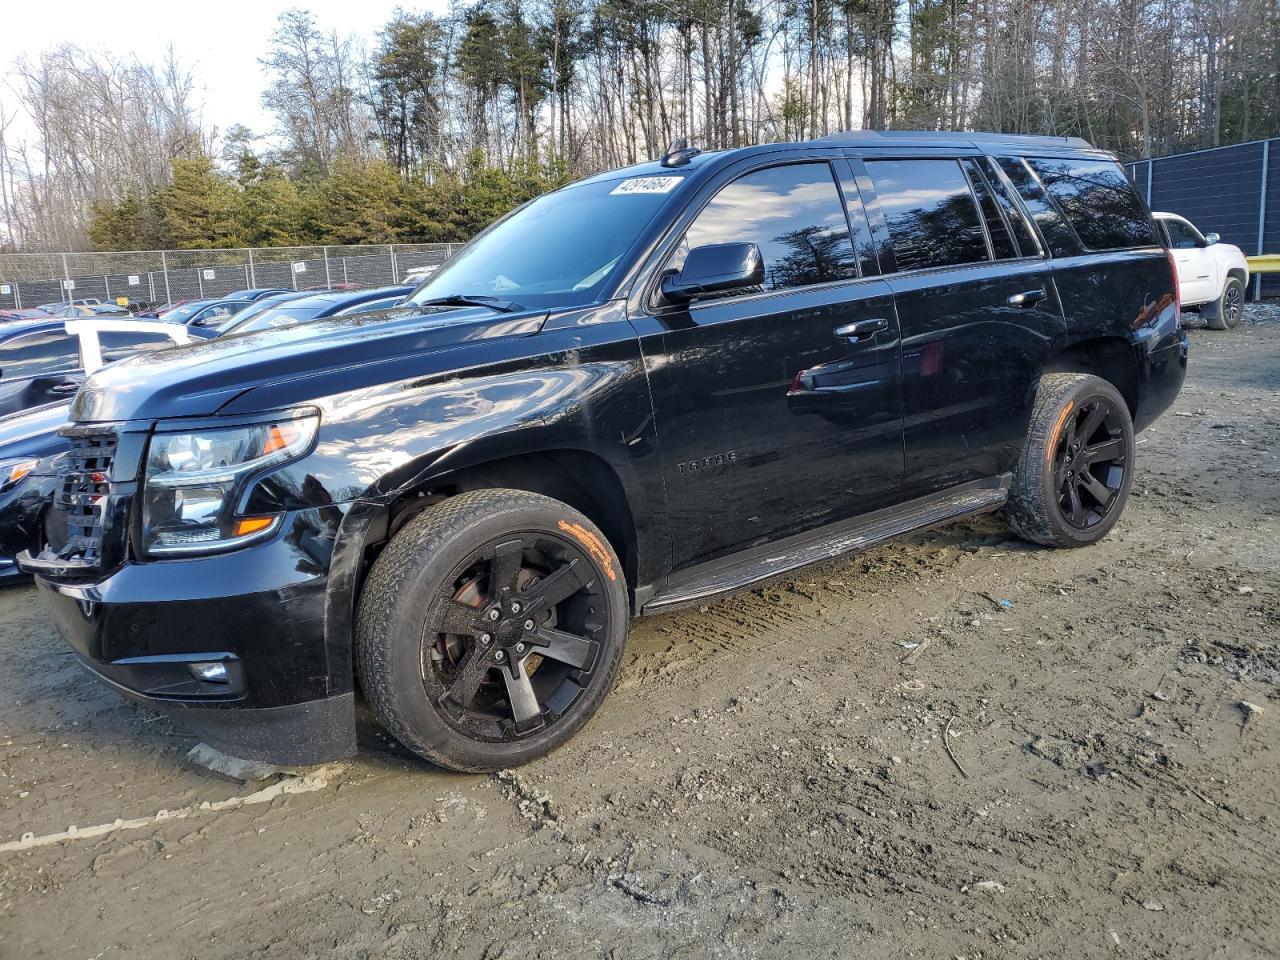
(1128, 294)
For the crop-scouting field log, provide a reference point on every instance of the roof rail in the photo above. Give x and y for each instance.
(878, 137)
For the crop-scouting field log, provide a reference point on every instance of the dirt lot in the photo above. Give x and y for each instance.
(772, 776)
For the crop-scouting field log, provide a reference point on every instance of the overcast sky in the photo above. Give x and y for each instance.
(219, 43)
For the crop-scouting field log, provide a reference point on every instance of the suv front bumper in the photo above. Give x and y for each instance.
(259, 611)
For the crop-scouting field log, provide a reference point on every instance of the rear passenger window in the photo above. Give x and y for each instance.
(792, 213)
(1060, 237)
(1023, 235)
(1098, 201)
(1002, 247)
(930, 211)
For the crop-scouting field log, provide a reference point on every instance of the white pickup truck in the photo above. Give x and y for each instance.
(1212, 276)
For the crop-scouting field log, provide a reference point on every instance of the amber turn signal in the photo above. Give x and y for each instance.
(248, 525)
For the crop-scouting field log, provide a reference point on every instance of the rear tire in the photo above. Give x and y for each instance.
(1229, 308)
(1073, 476)
(491, 628)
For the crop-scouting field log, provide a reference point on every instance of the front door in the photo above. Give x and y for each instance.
(778, 407)
(1194, 264)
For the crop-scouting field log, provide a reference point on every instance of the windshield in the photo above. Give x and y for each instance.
(556, 251)
(183, 313)
(275, 316)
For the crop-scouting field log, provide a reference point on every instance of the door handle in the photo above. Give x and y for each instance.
(1028, 298)
(66, 386)
(861, 329)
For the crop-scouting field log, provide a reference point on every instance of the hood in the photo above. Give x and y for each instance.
(199, 379)
(33, 433)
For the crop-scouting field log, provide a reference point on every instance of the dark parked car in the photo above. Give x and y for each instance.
(639, 392)
(27, 440)
(286, 311)
(40, 361)
(238, 296)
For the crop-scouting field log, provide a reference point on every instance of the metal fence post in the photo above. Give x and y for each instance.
(324, 252)
(164, 268)
(106, 283)
(253, 276)
(395, 277)
(66, 279)
(1262, 214)
(1151, 173)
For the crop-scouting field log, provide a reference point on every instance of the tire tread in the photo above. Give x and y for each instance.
(387, 584)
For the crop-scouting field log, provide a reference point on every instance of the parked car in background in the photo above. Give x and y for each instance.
(185, 310)
(30, 438)
(40, 360)
(214, 326)
(25, 313)
(76, 310)
(1212, 276)
(345, 286)
(203, 312)
(153, 313)
(316, 307)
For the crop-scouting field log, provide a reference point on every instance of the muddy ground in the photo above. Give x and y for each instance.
(771, 777)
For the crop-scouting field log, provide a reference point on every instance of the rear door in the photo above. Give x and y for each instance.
(977, 310)
(778, 407)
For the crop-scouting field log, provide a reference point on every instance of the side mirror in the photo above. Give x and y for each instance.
(1210, 239)
(715, 268)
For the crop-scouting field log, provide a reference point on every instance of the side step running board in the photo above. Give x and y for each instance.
(745, 569)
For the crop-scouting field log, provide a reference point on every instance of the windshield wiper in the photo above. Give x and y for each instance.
(462, 300)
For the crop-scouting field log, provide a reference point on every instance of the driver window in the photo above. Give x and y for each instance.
(1182, 236)
(792, 213)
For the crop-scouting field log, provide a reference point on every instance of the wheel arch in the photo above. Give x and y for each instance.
(580, 478)
(1111, 358)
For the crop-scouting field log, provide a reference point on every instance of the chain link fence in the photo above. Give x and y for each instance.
(147, 278)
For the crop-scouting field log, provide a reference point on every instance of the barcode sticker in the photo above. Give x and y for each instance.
(647, 185)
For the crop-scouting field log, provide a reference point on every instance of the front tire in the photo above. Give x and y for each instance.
(1073, 476)
(1229, 309)
(491, 628)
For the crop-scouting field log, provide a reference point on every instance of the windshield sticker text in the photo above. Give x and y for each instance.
(647, 185)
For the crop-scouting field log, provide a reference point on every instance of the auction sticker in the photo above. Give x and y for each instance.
(647, 185)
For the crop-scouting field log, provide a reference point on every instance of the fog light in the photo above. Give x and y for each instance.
(210, 672)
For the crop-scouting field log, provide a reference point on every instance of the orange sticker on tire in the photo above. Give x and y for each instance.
(593, 545)
(1053, 436)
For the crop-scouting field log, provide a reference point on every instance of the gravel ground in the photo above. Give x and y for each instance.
(955, 746)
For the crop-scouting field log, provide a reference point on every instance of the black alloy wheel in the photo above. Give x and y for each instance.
(491, 628)
(515, 636)
(1072, 478)
(1090, 463)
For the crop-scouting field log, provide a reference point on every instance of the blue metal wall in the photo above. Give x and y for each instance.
(1232, 191)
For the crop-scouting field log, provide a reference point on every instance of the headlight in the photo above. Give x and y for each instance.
(193, 481)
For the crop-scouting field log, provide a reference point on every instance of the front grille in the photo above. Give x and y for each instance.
(82, 494)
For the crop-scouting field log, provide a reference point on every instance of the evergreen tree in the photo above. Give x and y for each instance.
(201, 207)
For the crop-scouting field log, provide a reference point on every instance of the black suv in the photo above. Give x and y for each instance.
(644, 390)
